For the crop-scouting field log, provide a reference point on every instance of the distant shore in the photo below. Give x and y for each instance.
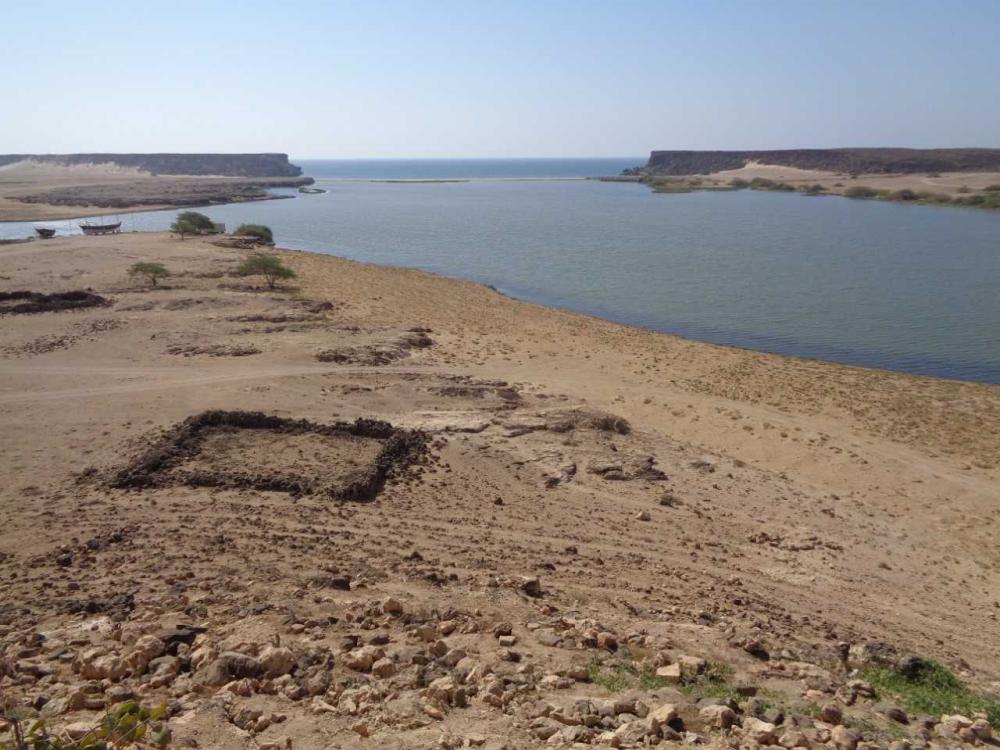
(32, 191)
(979, 190)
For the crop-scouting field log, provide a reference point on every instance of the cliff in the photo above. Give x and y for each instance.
(224, 165)
(853, 160)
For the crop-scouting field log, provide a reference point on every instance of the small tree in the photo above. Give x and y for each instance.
(183, 228)
(259, 231)
(152, 271)
(191, 222)
(197, 220)
(268, 266)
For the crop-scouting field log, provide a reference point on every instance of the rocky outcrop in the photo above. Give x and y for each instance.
(222, 165)
(853, 160)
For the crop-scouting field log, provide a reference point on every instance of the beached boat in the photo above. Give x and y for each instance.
(45, 232)
(101, 228)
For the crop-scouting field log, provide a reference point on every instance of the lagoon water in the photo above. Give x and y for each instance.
(909, 288)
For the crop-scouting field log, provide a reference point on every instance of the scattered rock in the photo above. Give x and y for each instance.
(276, 661)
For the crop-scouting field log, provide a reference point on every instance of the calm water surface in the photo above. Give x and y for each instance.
(908, 288)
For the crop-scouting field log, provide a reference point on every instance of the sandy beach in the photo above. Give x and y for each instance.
(588, 490)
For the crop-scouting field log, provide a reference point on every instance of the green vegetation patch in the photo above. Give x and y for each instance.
(814, 189)
(127, 725)
(259, 231)
(929, 688)
(861, 191)
(762, 183)
(989, 200)
(713, 682)
(623, 674)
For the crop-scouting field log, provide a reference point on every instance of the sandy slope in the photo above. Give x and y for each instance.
(802, 503)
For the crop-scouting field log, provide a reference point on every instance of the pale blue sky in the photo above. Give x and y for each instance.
(495, 79)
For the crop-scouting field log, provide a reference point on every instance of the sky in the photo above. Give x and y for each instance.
(496, 79)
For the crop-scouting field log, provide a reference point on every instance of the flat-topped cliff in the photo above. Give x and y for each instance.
(223, 165)
(853, 160)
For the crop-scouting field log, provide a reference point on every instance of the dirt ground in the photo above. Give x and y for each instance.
(592, 497)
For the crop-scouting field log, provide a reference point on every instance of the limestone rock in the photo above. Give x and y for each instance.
(844, 738)
(362, 659)
(670, 673)
(384, 668)
(660, 716)
(531, 585)
(718, 717)
(277, 660)
(761, 732)
(607, 641)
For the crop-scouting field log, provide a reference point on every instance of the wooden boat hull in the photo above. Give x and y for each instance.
(101, 228)
(45, 233)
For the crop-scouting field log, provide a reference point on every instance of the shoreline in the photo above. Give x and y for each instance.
(608, 319)
(89, 212)
(834, 371)
(642, 483)
(978, 190)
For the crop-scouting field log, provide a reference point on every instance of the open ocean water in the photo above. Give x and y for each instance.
(908, 288)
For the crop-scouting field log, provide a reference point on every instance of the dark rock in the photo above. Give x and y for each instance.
(174, 637)
(230, 666)
(892, 711)
(774, 716)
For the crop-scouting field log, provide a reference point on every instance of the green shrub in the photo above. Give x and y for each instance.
(259, 231)
(268, 266)
(930, 688)
(127, 726)
(992, 188)
(982, 200)
(903, 195)
(739, 183)
(861, 191)
(152, 271)
(763, 183)
(814, 189)
(929, 197)
(964, 189)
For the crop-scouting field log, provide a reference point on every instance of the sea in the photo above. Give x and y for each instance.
(914, 289)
